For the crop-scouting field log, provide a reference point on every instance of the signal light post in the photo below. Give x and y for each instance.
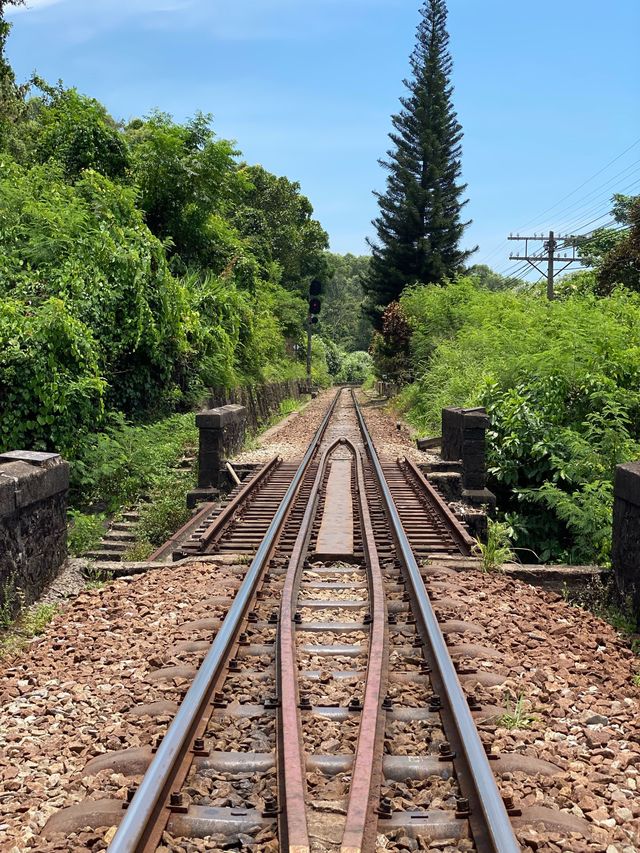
(315, 289)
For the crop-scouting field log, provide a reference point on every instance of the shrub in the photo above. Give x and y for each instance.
(560, 381)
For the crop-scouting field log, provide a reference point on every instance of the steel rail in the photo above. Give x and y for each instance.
(367, 765)
(363, 792)
(150, 799)
(220, 520)
(294, 833)
(462, 538)
(490, 824)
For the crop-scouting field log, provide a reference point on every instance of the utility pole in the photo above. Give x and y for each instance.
(309, 350)
(551, 245)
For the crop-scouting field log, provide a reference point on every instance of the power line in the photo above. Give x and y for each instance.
(578, 206)
(583, 184)
(551, 246)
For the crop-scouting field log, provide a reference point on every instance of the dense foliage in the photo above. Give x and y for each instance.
(419, 226)
(342, 319)
(138, 265)
(561, 382)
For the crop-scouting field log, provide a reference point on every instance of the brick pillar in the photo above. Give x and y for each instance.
(222, 433)
(625, 544)
(33, 523)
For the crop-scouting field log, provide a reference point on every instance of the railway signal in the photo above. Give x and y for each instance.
(315, 290)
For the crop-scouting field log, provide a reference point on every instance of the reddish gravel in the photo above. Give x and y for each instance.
(574, 675)
(390, 441)
(65, 698)
(290, 438)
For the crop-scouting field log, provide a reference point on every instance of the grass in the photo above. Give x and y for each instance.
(636, 680)
(497, 550)
(29, 624)
(516, 716)
(85, 531)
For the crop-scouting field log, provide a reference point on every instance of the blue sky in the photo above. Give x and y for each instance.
(548, 93)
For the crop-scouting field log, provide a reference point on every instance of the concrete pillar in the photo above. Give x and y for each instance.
(625, 544)
(464, 442)
(33, 524)
(222, 433)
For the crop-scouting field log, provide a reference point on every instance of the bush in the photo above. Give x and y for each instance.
(119, 465)
(50, 384)
(85, 532)
(560, 381)
(356, 367)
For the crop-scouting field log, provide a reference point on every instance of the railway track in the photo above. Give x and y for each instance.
(325, 711)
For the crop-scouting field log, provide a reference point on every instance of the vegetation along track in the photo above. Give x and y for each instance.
(355, 729)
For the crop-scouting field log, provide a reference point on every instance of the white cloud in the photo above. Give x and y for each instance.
(31, 6)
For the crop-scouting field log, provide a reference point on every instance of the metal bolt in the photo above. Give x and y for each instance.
(392, 619)
(219, 701)
(270, 807)
(473, 703)
(175, 799)
(446, 753)
(355, 704)
(159, 740)
(198, 744)
(131, 792)
(462, 807)
(435, 703)
(384, 809)
(387, 704)
(243, 640)
(252, 617)
(368, 619)
(507, 799)
(234, 665)
(298, 618)
(273, 617)
(304, 704)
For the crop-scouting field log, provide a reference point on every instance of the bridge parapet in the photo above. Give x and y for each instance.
(33, 524)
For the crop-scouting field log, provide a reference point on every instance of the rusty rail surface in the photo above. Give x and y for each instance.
(368, 758)
(250, 487)
(147, 814)
(491, 827)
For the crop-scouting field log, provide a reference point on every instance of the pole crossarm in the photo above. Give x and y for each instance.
(551, 246)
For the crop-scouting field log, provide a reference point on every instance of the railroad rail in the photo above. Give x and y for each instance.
(333, 581)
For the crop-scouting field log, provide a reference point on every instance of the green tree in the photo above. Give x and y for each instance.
(342, 318)
(614, 253)
(277, 221)
(621, 265)
(10, 95)
(188, 181)
(76, 132)
(486, 277)
(419, 227)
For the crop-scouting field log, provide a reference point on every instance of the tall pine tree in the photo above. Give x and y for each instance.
(419, 226)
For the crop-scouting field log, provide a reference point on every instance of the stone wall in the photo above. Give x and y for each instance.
(33, 524)
(260, 401)
(625, 545)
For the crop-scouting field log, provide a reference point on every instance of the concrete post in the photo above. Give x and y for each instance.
(463, 440)
(625, 544)
(222, 432)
